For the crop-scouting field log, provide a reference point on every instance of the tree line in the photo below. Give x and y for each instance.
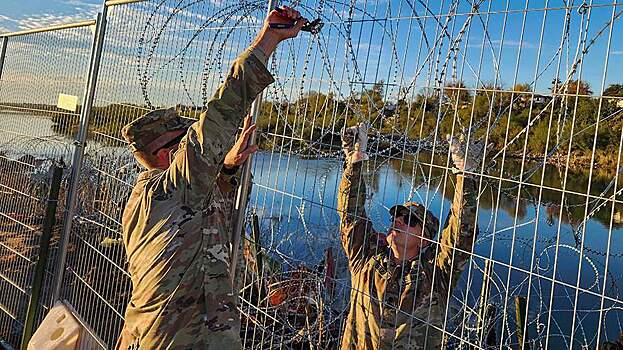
(504, 114)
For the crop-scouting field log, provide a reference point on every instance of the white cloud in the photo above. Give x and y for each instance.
(78, 11)
(477, 43)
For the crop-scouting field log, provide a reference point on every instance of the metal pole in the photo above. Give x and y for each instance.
(80, 144)
(120, 2)
(50, 28)
(3, 44)
(245, 184)
(44, 248)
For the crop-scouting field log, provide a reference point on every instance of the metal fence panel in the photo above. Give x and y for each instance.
(34, 133)
(537, 82)
(533, 80)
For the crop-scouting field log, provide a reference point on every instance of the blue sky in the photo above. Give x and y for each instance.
(25, 14)
(479, 59)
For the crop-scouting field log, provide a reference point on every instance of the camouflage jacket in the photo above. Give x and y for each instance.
(176, 230)
(400, 305)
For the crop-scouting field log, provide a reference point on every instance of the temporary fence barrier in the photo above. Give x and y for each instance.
(40, 70)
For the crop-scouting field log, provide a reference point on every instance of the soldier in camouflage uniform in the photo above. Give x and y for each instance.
(400, 283)
(175, 224)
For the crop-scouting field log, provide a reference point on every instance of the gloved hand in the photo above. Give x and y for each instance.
(471, 161)
(355, 143)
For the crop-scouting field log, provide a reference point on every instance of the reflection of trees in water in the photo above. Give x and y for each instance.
(573, 208)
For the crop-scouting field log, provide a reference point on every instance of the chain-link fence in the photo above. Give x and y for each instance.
(537, 82)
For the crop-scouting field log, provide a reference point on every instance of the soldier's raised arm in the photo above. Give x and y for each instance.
(457, 238)
(201, 153)
(357, 235)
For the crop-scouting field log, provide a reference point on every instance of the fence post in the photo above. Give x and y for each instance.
(520, 320)
(80, 145)
(490, 334)
(485, 289)
(44, 248)
(3, 44)
(245, 184)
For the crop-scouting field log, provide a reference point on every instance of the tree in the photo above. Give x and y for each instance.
(614, 90)
(456, 92)
(371, 102)
(522, 96)
(573, 87)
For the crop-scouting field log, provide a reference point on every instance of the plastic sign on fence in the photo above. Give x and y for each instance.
(67, 102)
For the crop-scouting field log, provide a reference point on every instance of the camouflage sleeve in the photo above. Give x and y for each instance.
(223, 322)
(457, 238)
(356, 230)
(227, 180)
(198, 161)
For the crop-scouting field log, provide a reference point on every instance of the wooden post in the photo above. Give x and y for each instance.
(490, 334)
(485, 289)
(257, 248)
(520, 321)
(329, 276)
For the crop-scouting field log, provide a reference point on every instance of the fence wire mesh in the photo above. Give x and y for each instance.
(34, 134)
(538, 82)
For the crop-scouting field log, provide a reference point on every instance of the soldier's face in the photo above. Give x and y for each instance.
(164, 157)
(403, 236)
(164, 154)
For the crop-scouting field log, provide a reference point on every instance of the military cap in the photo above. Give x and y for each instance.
(147, 131)
(418, 210)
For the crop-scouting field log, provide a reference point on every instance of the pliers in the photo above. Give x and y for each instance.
(313, 27)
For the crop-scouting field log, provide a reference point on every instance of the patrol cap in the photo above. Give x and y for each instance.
(417, 210)
(147, 132)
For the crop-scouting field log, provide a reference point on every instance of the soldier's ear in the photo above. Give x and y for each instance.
(162, 155)
(146, 160)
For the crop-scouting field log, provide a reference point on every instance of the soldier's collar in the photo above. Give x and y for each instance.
(385, 264)
(148, 174)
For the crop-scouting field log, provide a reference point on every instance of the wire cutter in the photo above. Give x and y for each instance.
(313, 27)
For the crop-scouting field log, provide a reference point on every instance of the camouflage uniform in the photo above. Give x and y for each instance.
(176, 229)
(392, 307)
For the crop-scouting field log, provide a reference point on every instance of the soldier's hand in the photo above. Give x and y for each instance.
(355, 142)
(284, 16)
(241, 150)
(269, 38)
(465, 157)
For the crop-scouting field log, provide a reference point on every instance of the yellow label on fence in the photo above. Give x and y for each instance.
(67, 102)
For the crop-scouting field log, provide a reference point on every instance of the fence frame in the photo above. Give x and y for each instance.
(240, 206)
(36, 286)
(3, 44)
(80, 145)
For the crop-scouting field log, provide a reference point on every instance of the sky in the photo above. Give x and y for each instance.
(27, 14)
(390, 50)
